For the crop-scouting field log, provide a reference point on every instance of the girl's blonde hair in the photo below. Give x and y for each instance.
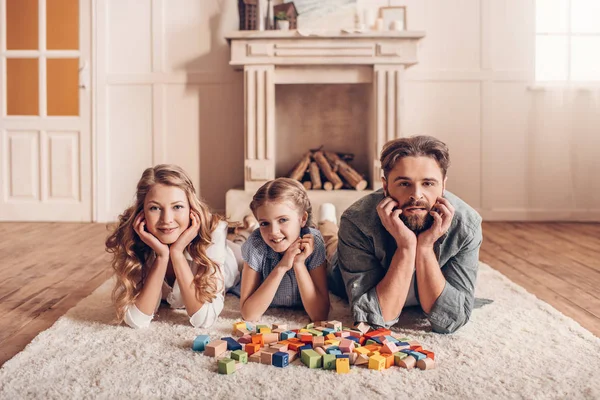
(131, 254)
(280, 190)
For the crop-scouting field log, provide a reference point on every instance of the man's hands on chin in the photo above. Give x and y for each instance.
(389, 215)
(442, 213)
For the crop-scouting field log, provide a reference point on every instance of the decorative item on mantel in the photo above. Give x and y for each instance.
(289, 9)
(249, 11)
(320, 169)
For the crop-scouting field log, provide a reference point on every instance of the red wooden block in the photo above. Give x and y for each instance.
(429, 354)
(252, 348)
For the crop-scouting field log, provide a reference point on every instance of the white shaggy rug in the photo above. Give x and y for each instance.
(515, 347)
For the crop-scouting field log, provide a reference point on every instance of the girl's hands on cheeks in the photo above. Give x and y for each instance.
(187, 236)
(288, 260)
(307, 246)
(139, 225)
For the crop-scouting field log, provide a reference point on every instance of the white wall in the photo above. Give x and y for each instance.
(167, 94)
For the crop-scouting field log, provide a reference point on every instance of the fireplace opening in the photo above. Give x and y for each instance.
(333, 117)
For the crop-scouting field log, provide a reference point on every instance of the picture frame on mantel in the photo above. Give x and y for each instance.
(394, 18)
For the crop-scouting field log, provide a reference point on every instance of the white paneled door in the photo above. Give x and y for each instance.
(45, 125)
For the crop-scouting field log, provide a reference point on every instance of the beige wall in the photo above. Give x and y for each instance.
(167, 94)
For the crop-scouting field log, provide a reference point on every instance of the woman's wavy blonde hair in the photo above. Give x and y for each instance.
(131, 254)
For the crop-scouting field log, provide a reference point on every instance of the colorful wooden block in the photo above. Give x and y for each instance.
(287, 335)
(281, 359)
(342, 365)
(245, 339)
(266, 356)
(239, 325)
(292, 355)
(226, 366)
(389, 359)
(346, 346)
(255, 357)
(335, 325)
(399, 356)
(362, 359)
(232, 344)
(240, 356)
(426, 363)
(408, 362)
(311, 358)
(240, 332)
(361, 350)
(377, 362)
(270, 337)
(258, 339)
(353, 357)
(320, 350)
(305, 337)
(310, 326)
(252, 348)
(279, 346)
(307, 346)
(362, 327)
(200, 342)
(280, 326)
(263, 329)
(329, 361)
(315, 332)
(389, 347)
(215, 348)
(428, 354)
(318, 341)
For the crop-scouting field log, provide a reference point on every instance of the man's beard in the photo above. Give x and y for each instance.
(417, 223)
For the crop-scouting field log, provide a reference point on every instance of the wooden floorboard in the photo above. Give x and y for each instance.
(47, 268)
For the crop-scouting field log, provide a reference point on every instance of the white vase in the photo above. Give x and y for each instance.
(283, 24)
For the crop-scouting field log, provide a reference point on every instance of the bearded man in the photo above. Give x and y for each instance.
(412, 243)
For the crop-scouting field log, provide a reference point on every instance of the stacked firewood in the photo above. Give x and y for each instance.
(320, 169)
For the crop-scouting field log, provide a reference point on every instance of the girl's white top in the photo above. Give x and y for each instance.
(220, 252)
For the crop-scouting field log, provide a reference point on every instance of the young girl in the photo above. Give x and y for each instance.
(285, 258)
(168, 246)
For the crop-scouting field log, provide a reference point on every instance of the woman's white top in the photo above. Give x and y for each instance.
(220, 252)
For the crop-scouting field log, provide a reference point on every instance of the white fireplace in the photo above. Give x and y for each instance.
(327, 77)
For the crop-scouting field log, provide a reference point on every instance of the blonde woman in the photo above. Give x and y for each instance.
(169, 246)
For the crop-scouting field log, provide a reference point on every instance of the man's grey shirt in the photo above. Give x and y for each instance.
(365, 251)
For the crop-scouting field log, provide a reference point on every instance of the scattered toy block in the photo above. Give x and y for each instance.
(362, 327)
(252, 348)
(266, 356)
(270, 337)
(320, 350)
(389, 347)
(287, 335)
(226, 366)
(353, 357)
(215, 348)
(346, 346)
(342, 365)
(335, 325)
(428, 354)
(280, 346)
(200, 342)
(377, 362)
(258, 339)
(295, 346)
(389, 359)
(245, 339)
(315, 332)
(280, 326)
(263, 329)
(292, 355)
(318, 341)
(311, 358)
(361, 350)
(399, 356)
(329, 361)
(232, 344)
(426, 363)
(255, 357)
(281, 359)
(310, 326)
(407, 362)
(362, 359)
(240, 356)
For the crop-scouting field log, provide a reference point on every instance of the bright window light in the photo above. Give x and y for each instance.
(567, 41)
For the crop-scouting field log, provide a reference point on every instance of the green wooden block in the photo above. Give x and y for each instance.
(399, 356)
(310, 326)
(315, 332)
(311, 359)
(226, 366)
(240, 356)
(329, 361)
(369, 341)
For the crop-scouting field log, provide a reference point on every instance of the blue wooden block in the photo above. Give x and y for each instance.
(391, 339)
(402, 344)
(307, 346)
(333, 348)
(281, 359)
(377, 339)
(200, 342)
(287, 334)
(417, 355)
(353, 338)
(334, 352)
(342, 356)
(327, 331)
(232, 344)
(249, 326)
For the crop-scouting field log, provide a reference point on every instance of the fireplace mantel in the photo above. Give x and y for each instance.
(270, 58)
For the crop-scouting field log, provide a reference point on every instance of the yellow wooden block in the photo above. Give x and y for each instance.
(377, 362)
(264, 329)
(373, 353)
(239, 325)
(332, 342)
(361, 350)
(342, 365)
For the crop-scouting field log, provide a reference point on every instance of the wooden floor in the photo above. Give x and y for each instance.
(46, 268)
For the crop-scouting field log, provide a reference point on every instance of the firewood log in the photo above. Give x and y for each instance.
(326, 169)
(350, 175)
(300, 168)
(315, 175)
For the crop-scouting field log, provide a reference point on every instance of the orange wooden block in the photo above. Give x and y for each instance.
(330, 336)
(295, 346)
(252, 348)
(429, 354)
(305, 337)
(372, 347)
(416, 348)
(258, 339)
(389, 359)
